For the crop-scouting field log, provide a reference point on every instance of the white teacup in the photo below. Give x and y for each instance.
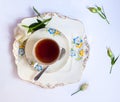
(59, 38)
(46, 51)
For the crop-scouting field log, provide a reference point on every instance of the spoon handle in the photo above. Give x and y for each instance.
(39, 74)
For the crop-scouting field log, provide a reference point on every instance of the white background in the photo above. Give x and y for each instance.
(103, 87)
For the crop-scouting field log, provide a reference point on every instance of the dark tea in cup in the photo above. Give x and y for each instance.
(46, 51)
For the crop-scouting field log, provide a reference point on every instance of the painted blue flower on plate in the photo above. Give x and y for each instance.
(21, 51)
(51, 30)
(38, 67)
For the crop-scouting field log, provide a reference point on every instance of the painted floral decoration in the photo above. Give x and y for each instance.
(77, 50)
(77, 40)
(53, 31)
(73, 53)
(38, 67)
(21, 50)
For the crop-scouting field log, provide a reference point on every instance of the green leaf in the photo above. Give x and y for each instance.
(116, 59)
(37, 25)
(33, 25)
(30, 30)
(47, 20)
(39, 21)
(112, 61)
(36, 11)
(41, 24)
(25, 26)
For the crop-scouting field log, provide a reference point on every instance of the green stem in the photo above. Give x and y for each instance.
(105, 15)
(75, 92)
(36, 11)
(101, 15)
(111, 68)
(107, 21)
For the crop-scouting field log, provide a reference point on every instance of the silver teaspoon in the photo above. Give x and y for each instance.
(40, 73)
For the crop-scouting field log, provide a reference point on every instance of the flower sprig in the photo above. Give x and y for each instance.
(100, 11)
(112, 57)
(38, 24)
(82, 88)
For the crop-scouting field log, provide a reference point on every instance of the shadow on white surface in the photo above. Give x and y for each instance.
(11, 41)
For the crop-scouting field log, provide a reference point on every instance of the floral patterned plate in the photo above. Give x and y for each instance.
(75, 43)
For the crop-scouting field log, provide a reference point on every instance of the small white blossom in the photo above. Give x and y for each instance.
(82, 88)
